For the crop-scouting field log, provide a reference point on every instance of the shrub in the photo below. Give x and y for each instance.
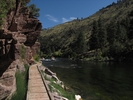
(36, 58)
(99, 55)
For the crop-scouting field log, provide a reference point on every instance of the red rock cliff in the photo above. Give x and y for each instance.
(18, 29)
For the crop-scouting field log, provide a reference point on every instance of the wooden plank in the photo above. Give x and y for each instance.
(36, 88)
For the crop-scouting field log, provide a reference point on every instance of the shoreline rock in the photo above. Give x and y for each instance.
(49, 74)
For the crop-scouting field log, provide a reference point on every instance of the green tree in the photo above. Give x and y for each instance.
(116, 49)
(53, 49)
(130, 35)
(93, 42)
(118, 1)
(111, 32)
(102, 34)
(121, 33)
(24, 2)
(4, 7)
(81, 43)
(49, 51)
(34, 11)
(126, 24)
(3, 11)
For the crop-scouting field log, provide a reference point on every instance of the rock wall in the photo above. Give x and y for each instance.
(18, 29)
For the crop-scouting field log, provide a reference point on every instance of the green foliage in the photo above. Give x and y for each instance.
(63, 92)
(130, 35)
(22, 51)
(49, 51)
(70, 96)
(4, 7)
(93, 42)
(117, 36)
(81, 43)
(111, 32)
(24, 2)
(22, 83)
(34, 11)
(102, 34)
(116, 49)
(3, 11)
(53, 49)
(36, 58)
(121, 33)
(74, 55)
(98, 37)
(100, 54)
(39, 53)
(112, 24)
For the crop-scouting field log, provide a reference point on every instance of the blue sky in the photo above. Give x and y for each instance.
(54, 12)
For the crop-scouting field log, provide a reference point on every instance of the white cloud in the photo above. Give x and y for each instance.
(66, 20)
(51, 18)
(72, 18)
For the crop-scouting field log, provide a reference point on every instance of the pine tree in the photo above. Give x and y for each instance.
(53, 49)
(111, 32)
(102, 34)
(121, 33)
(4, 7)
(125, 24)
(24, 2)
(93, 42)
(130, 35)
(34, 11)
(81, 43)
(49, 51)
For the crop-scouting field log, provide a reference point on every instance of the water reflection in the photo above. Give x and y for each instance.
(96, 80)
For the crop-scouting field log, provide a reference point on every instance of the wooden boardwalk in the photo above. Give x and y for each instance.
(36, 88)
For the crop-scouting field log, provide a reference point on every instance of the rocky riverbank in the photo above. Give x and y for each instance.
(56, 87)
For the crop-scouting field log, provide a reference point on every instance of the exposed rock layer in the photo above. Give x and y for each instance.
(18, 29)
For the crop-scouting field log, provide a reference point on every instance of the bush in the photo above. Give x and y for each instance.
(99, 55)
(36, 58)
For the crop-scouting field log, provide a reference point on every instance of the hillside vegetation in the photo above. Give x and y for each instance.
(63, 39)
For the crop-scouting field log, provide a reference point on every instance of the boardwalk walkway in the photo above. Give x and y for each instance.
(36, 88)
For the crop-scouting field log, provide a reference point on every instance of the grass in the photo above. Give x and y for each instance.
(66, 94)
(22, 51)
(21, 82)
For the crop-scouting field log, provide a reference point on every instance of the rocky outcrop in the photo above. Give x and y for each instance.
(18, 29)
(8, 80)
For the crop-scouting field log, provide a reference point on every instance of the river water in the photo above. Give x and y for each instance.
(95, 80)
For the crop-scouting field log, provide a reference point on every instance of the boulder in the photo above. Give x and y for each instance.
(8, 81)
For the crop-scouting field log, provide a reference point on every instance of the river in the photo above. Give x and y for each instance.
(95, 80)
